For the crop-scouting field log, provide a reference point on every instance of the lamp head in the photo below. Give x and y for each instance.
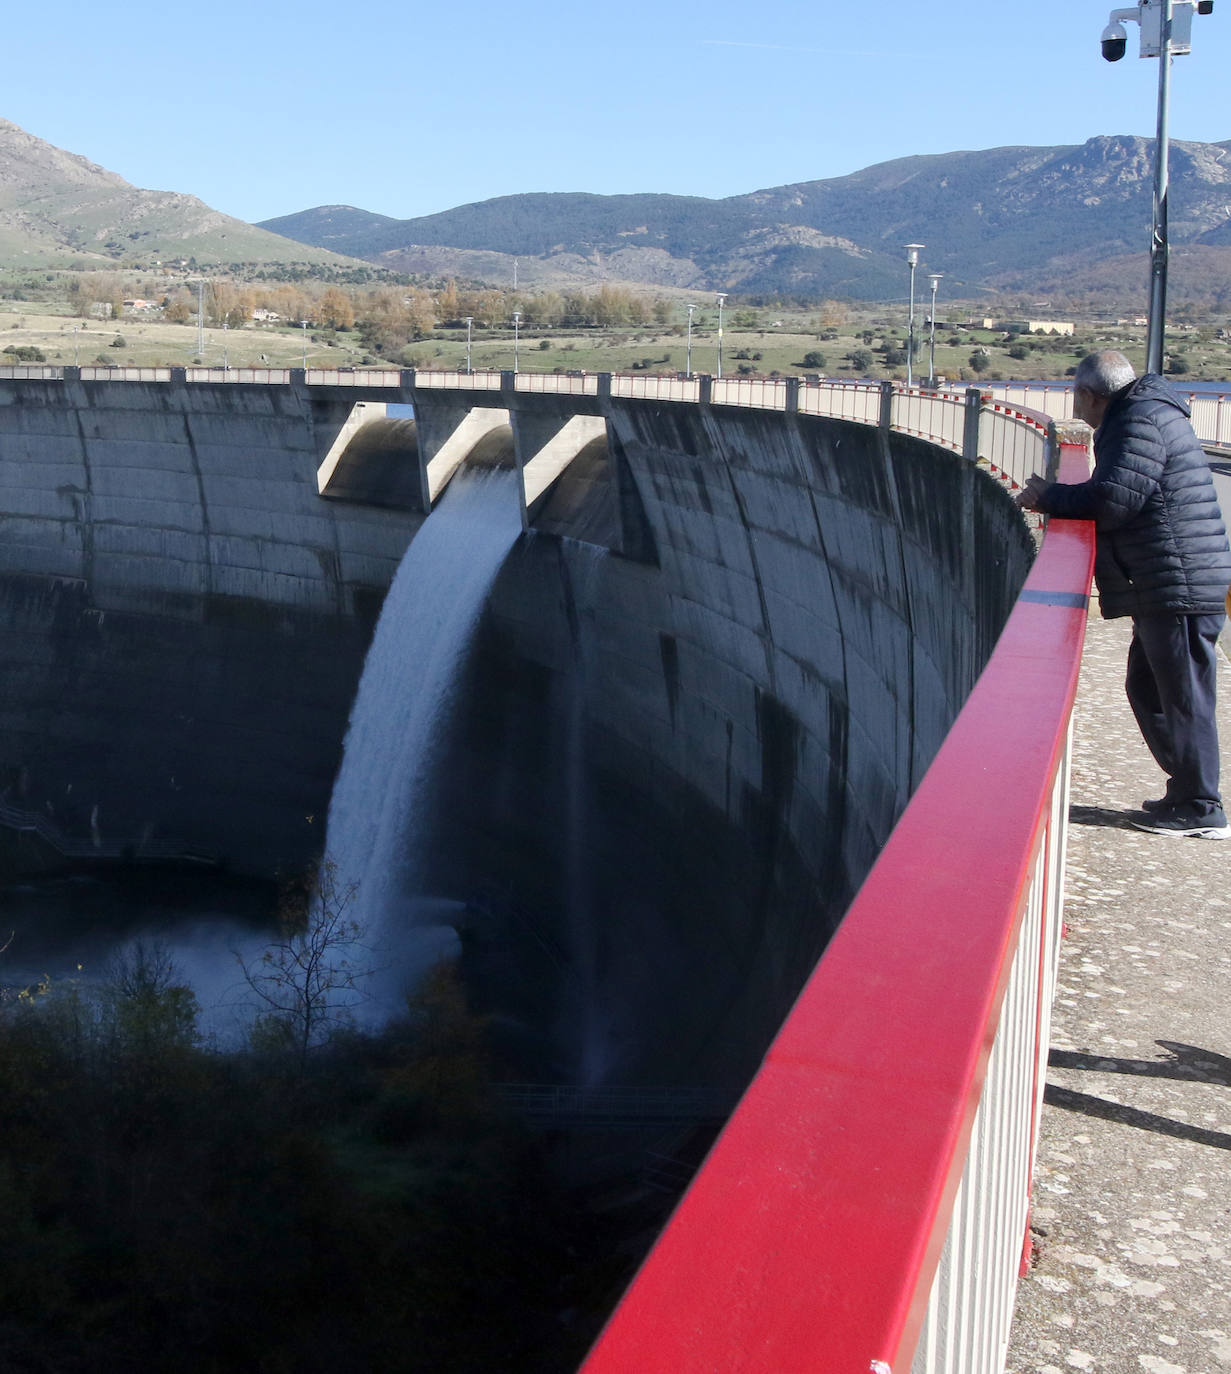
(912, 252)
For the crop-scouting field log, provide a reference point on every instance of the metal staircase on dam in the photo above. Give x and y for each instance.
(38, 832)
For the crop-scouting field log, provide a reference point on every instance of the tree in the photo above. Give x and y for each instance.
(335, 309)
(147, 1006)
(177, 309)
(860, 359)
(308, 980)
(813, 359)
(980, 360)
(448, 303)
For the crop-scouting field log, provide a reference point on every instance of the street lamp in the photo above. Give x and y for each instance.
(516, 331)
(303, 324)
(934, 278)
(912, 259)
(688, 349)
(469, 326)
(1166, 32)
(722, 295)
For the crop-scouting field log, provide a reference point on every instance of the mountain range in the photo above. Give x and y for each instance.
(60, 210)
(1068, 222)
(1064, 220)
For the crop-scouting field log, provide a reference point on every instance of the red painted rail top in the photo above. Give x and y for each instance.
(809, 1239)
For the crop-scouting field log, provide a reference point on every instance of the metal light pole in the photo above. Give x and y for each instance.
(304, 326)
(934, 278)
(1166, 32)
(469, 326)
(722, 295)
(516, 331)
(912, 259)
(688, 350)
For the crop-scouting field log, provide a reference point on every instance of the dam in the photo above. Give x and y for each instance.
(738, 626)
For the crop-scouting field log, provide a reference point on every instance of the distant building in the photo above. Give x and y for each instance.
(1031, 326)
(265, 316)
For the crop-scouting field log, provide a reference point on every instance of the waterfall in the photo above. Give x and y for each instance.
(401, 710)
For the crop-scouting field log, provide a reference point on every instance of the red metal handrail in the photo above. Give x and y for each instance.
(810, 1237)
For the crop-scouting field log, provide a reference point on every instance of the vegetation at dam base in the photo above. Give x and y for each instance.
(361, 1207)
(113, 318)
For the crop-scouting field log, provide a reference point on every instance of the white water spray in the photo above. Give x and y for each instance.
(401, 710)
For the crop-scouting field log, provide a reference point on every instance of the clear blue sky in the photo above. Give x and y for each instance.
(271, 107)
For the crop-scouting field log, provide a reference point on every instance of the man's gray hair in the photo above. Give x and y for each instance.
(1104, 373)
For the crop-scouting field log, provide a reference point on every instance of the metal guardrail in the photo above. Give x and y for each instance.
(838, 398)
(865, 1208)
(1211, 414)
(32, 823)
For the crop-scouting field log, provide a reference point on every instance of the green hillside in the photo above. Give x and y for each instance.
(58, 210)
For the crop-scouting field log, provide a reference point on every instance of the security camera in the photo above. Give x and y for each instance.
(1115, 40)
(1205, 6)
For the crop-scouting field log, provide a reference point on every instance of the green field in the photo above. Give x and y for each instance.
(778, 343)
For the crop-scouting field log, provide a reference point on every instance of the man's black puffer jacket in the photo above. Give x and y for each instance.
(1162, 546)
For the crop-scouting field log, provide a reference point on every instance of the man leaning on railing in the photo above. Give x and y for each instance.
(1163, 558)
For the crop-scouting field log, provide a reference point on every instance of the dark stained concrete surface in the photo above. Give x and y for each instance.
(1132, 1199)
(675, 756)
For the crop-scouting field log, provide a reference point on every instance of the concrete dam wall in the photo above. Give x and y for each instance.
(182, 618)
(678, 745)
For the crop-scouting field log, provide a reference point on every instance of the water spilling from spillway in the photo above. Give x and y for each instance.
(397, 724)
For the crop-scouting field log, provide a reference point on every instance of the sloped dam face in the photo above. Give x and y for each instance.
(701, 690)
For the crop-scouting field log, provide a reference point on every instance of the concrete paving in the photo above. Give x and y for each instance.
(1132, 1202)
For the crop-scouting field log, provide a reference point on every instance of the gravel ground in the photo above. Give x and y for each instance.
(1132, 1200)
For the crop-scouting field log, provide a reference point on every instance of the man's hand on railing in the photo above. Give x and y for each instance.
(1028, 497)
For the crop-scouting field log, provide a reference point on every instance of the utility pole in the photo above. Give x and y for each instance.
(1166, 32)
(722, 295)
(912, 259)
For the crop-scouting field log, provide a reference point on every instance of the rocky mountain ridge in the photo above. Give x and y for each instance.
(1015, 218)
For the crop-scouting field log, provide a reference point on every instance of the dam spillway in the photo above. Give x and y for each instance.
(792, 614)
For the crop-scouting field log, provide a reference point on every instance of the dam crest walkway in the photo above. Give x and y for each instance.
(1131, 1218)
